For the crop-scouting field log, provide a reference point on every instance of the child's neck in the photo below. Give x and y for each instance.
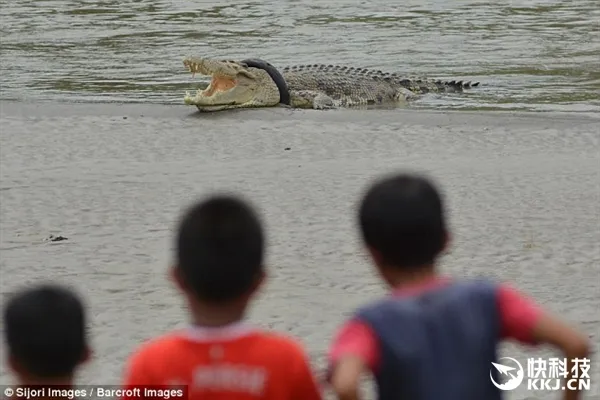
(398, 279)
(209, 316)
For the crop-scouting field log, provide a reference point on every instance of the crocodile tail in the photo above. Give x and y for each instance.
(455, 85)
(424, 85)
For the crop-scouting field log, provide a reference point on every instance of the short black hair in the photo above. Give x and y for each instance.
(402, 217)
(44, 328)
(220, 248)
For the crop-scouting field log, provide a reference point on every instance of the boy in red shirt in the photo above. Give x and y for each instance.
(219, 268)
(432, 338)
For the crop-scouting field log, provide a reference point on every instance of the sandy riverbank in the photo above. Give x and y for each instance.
(523, 191)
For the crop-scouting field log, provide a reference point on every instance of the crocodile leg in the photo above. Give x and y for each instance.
(404, 95)
(311, 99)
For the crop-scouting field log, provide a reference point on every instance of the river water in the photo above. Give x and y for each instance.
(541, 55)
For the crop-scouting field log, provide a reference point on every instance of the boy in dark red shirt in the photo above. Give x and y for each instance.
(433, 338)
(219, 269)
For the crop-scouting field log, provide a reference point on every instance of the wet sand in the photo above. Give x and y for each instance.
(523, 193)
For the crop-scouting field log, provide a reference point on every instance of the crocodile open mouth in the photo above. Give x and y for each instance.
(219, 84)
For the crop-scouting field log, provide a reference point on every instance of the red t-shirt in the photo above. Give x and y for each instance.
(235, 362)
(518, 315)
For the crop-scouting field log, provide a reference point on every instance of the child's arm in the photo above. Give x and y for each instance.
(354, 352)
(345, 377)
(525, 322)
(551, 330)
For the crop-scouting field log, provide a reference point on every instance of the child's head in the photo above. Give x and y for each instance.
(45, 332)
(402, 223)
(220, 250)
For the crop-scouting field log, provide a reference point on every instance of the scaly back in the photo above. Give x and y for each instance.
(298, 74)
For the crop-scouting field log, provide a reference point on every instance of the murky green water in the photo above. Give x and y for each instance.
(538, 55)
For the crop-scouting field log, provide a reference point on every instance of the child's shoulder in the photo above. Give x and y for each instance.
(268, 341)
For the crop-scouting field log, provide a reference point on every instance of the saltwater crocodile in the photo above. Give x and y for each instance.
(256, 83)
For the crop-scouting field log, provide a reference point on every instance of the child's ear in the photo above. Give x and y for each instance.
(259, 281)
(13, 364)
(447, 241)
(375, 256)
(87, 355)
(176, 278)
(262, 278)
